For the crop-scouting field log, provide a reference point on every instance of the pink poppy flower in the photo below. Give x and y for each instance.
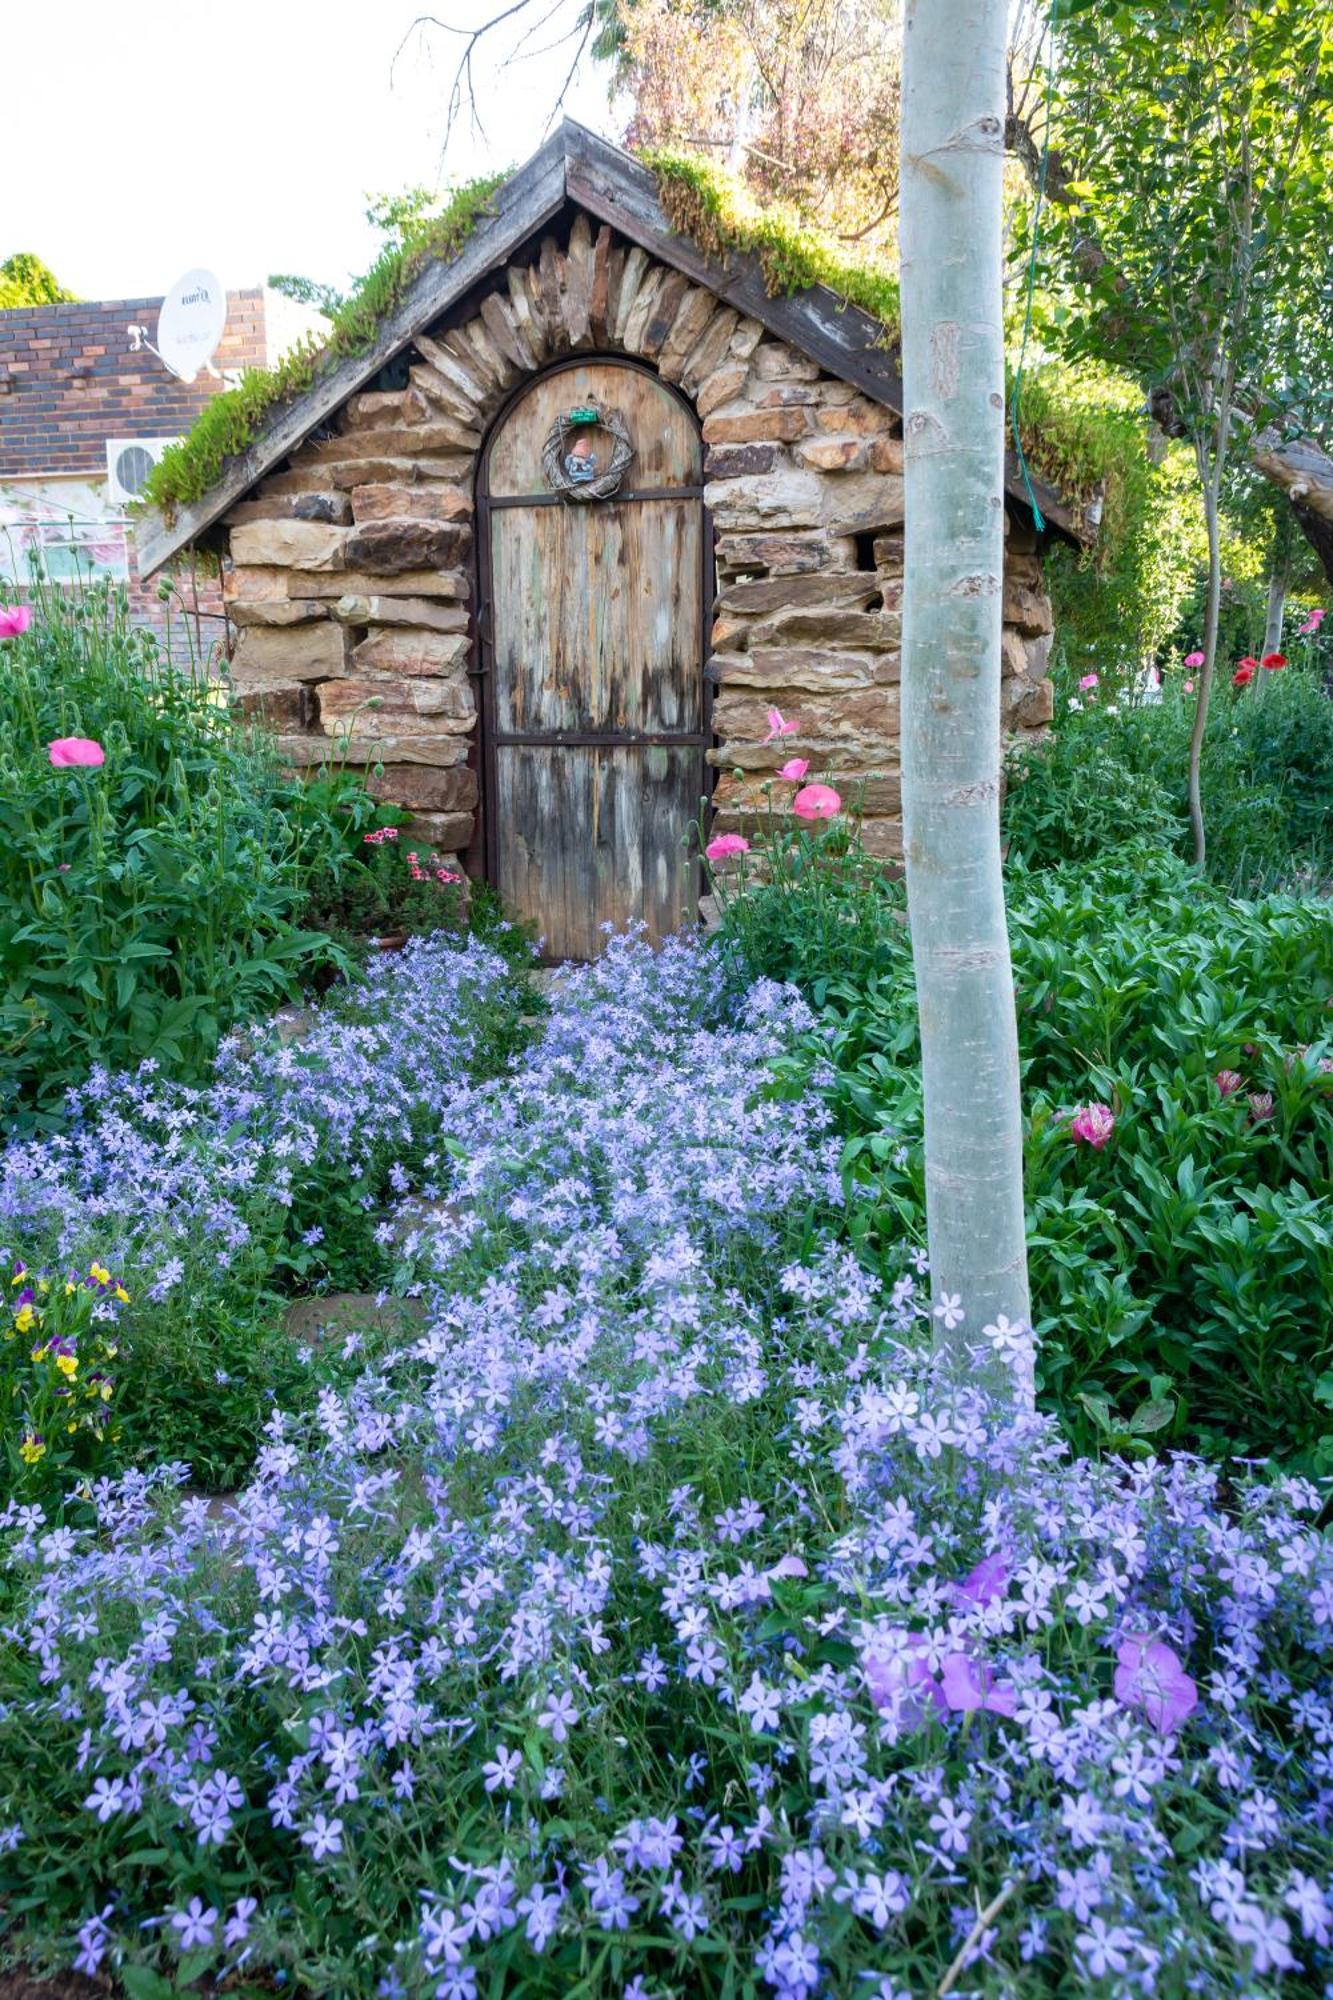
(1228, 1082)
(1091, 681)
(794, 770)
(1194, 659)
(969, 1684)
(816, 802)
(75, 752)
(727, 846)
(1150, 1676)
(14, 619)
(1093, 1124)
(1312, 623)
(1189, 687)
(779, 726)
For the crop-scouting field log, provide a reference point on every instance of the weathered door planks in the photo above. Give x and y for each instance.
(593, 649)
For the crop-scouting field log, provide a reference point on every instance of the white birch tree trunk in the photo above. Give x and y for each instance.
(1277, 605)
(953, 106)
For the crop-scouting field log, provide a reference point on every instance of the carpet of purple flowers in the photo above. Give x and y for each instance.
(665, 1620)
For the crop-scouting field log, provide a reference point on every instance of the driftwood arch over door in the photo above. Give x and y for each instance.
(592, 619)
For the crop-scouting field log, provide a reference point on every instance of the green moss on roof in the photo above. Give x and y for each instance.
(1081, 430)
(718, 213)
(230, 423)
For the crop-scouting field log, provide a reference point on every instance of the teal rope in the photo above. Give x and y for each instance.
(1039, 519)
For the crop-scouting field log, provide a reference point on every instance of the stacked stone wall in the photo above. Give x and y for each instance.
(348, 576)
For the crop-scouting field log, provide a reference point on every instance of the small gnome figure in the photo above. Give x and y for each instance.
(581, 461)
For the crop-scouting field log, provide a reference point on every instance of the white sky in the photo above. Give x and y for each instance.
(243, 136)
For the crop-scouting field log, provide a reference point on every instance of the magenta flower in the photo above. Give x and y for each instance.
(816, 802)
(75, 752)
(986, 1583)
(1093, 1124)
(969, 1684)
(1228, 1082)
(1151, 1677)
(14, 619)
(1261, 1106)
(1091, 681)
(794, 770)
(1312, 623)
(727, 846)
(779, 726)
(1194, 659)
(1189, 687)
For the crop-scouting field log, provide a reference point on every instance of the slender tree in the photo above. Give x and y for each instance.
(951, 173)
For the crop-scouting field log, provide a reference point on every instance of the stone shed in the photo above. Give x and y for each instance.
(591, 505)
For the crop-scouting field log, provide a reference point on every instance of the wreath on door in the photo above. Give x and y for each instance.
(571, 460)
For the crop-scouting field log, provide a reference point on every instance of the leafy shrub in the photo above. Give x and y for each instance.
(58, 1346)
(1117, 771)
(150, 901)
(665, 1623)
(1183, 1270)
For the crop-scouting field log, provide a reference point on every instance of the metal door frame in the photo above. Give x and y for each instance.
(482, 634)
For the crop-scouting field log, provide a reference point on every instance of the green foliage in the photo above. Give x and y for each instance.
(1116, 770)
(1121, 604)
(1190, 1261)
(148, 903)
(715, 209)
(26, 281)
(817, 908)
(229, 423)
(58, 1344)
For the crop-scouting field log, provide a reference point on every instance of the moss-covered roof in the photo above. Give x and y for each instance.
(1068, 446)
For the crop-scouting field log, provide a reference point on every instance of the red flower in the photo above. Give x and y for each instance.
(1244, 673)
(1274, 661)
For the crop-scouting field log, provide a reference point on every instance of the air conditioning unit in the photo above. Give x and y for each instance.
(128, 464)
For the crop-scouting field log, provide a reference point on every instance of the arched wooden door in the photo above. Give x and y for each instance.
(592, 631)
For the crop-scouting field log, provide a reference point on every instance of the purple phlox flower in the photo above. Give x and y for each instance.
(969, 1684)
(1150, 1676)
(194, 1925)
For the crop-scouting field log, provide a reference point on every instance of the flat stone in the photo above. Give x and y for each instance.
(442, 831)
(776, 554)
(451, 583)
(1034, 706)
(861, 502)
(829, 454)
(307, 652)
(886, 454)
(773, 360)
(789, 499)
(274, 611)
(328, 507)
(1027, 609)
(860, 418)
(605, 286)
(866, 716)
(1013, 653)
(253, 584)
(692, 316)
(378, 409)
(465, 378)
(852, 590)
(409, 503)
(710, 351)
(720, 387)
(828, 625)
(424, 789)
(503, 330)
(441, 393)
(428, 707)
(888, 553)
(1038, 654)
(398, 471)
(550, 273)
(318, 1321)
(734, 461)
(280, 704)
(644, 305)
(314, 748)
(527, 326)
(746, 338)
(412, 651)
(756, 427)
(578, 281)
(395, 547)
(636, 269)
(419, 611)
(801, 669)
(307, 544)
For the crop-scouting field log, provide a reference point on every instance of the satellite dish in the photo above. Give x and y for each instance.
(190, 324)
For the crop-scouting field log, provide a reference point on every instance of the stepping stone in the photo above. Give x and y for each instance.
(336, 1314)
